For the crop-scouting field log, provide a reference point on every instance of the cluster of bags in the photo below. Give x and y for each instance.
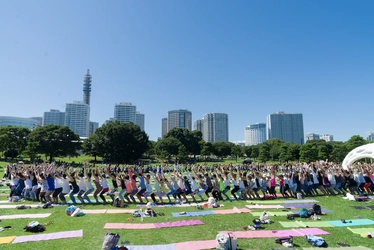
(226, 241)
(111, 241)
(316, 240)
(34, 227)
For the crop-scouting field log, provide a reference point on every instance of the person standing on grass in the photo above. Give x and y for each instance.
(113, 177)
(65, 188)
(235, 183)
(51, 185)
(226, 185)
(89, 186)
(73, 182)
(104, 185)
(98, 186)
(142, 185)
(58, 187)
(82, 187)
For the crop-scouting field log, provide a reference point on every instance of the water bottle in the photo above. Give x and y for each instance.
(314, 216)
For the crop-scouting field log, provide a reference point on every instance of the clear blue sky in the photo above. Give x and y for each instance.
(244, 58)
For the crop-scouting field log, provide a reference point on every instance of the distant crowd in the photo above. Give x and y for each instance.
(52, 183)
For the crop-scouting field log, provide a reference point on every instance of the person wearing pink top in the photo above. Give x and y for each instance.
(273, 184)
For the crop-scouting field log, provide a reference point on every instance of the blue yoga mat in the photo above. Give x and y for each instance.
(358, 222)
(201, 213)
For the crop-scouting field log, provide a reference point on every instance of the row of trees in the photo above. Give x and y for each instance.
(118, 142)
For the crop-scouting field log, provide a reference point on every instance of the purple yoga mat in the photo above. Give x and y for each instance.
(299, 232)
(298, 205)
(181, 223)
(299, 201)
(50, 236)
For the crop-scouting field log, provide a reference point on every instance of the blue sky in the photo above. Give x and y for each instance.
(244, 58)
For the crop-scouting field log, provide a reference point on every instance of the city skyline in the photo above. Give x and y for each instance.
(247, 59)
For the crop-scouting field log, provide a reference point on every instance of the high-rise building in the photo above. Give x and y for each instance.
(215, 127)
(198, 125)
(54, 117)
(327, 137)
(370, 137)
(181, 118)
(139, 120)
(19, 122)
(93, 127)
(312, 136)
(87, 88)
(164, 127)
(77, 118)
(125, 112)
(255, 134)
(287, 127)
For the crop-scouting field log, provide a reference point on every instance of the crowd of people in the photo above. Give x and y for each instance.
(51, 183)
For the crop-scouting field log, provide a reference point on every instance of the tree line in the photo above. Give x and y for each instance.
(120, 142)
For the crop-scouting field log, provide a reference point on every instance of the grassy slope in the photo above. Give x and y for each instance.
(92, 226)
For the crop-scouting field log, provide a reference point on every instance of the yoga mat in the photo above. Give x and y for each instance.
(5, 201)
(305, 224)
(94, 211)
(77, 201)
(299, 201)
(359, 207)
(252, 234)
(182, 223)
(153, 247)
(266, 201)
(235, 210)
(19, 204)
(357, 222)
(23, 216)
(276, 213)
(7, 239)
(50, 236)
(202, 213)
(108, 211)
(362, 231)
(339, 248)
(299, 232)
(303, 205)
(120, 211)
(264, 206)
(196, 245)
(129, 226)
(323, 211)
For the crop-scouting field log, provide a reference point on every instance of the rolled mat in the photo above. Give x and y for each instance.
(50, 236)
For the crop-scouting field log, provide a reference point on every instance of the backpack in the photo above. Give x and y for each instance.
(34, 227)
(281, 240)
(317, 209)
(136, 213)
(110, 241)
(304, 213)
(316, 240)
(290, 216)
(226, 241)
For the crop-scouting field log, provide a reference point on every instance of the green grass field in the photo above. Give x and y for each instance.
(93, 232)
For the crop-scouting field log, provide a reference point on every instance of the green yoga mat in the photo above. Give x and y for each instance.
(363, 231)
(280, 213)
(339, 248)
(305, 224)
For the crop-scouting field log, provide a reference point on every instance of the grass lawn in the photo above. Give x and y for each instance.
(93, 232)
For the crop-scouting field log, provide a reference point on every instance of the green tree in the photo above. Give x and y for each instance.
(221, 149)
(247, 150)
(93, 146)
(31, 150)
(121, 142)
(207, 149)
(255, 151)
(13, 140)
(309, 152)
(236, 151)
(55, 141)
(168, 147)
(354, 142)
(338, 152)
(275, 148)
(264, 154)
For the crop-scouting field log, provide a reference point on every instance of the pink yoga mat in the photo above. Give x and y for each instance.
(253, 234)
(23, 216)
(299, 232)
(196, 245)
(94, 211)
(182, 223)
(264, 206)
(120, 211)
(232, 211)
(129, 226)
(50, 236)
